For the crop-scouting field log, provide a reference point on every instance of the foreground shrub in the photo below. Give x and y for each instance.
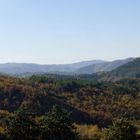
(59, 125)
(55, 125)
(120, 130)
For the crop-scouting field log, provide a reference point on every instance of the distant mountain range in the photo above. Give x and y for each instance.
(85, 67)
(22, 68)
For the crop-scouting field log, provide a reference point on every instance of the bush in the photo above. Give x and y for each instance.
(120, 130)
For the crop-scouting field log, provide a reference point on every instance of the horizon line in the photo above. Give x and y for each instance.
(36, 63)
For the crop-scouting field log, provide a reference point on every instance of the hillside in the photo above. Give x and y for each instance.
(89, 101)
(129, 70)
(103, 67)
(92, 105)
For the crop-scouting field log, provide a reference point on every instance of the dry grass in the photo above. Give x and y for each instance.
(89, 132)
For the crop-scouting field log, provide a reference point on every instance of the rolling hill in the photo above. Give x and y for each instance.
(129, 70)
(84, 67)
(103, 67)
(22, 68)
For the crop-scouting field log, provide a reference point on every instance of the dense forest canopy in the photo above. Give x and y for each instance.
(93, 105)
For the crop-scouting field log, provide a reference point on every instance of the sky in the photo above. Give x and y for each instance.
(66, 31)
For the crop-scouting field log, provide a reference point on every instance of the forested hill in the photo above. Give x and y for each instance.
(129, 70)
(103, 67)
(97, 104)
(90, 101)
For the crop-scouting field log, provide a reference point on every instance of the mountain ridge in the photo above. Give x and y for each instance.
(104, 67)
(128, 70)
(69, 69)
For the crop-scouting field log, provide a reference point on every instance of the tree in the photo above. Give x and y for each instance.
(23, 126)
(59, 125)
(120, 130)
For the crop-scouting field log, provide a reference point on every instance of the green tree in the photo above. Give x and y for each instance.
(59, 125)
(120, 130)
(23, 126)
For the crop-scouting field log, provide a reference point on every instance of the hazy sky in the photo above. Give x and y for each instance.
(65, 31)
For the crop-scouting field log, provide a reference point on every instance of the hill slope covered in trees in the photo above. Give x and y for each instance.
(129, 70)
(90, 102)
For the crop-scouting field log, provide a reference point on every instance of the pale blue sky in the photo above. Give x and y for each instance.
(65, 31)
